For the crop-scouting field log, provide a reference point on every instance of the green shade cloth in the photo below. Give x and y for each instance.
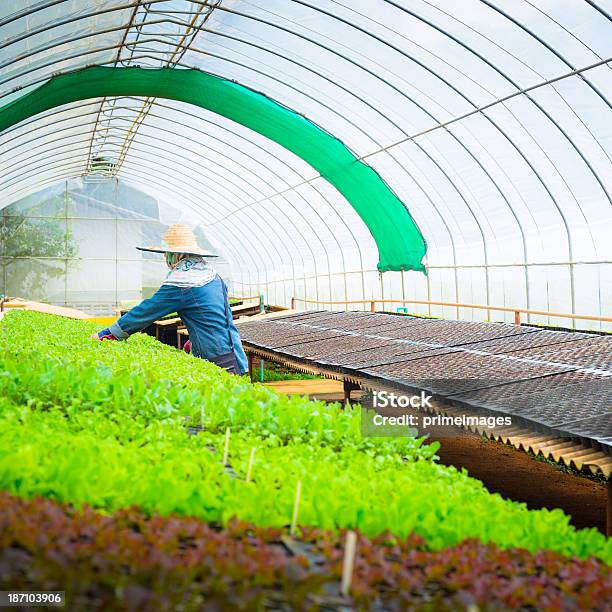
(401, 245)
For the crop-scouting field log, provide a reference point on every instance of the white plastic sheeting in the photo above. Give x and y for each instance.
(490, 119)
(75, 244)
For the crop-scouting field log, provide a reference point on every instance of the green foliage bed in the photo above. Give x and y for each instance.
(274, 372)
(105, 424)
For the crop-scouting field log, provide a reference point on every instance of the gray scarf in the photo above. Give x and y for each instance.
(193, 271)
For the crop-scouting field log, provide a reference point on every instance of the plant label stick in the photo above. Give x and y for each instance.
(250, 468)
(348, 562)
(296, 507)
(226, 445)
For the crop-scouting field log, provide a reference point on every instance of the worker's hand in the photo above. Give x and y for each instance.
(105, 334)
(187, 346)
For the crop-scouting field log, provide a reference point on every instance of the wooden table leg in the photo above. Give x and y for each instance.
(348, 387)
(609, 510)
(251, 368)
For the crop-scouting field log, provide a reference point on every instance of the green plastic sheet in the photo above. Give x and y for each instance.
(401, 245)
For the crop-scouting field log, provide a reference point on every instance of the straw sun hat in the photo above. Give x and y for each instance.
(178, 239)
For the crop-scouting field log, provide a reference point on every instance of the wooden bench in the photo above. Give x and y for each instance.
(182, 336)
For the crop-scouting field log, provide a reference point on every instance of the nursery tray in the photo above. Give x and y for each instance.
(547, 380)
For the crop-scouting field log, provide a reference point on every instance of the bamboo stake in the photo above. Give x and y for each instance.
(250, 468)
(296, 507)
(348, 562)
(226, 445)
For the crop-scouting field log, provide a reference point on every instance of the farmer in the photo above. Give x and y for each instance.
(197, 293)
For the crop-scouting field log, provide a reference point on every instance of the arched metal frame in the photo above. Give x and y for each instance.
(204, 166)
(430, 168)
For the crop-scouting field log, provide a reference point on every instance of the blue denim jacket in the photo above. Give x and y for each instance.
(202, 309)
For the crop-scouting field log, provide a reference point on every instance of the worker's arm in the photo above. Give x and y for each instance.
(166, 300)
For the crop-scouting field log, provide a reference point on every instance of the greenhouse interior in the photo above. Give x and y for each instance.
(306, 305)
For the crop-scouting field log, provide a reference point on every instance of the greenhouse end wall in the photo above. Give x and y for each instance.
(74, 245)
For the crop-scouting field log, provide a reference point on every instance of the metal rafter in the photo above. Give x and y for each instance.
(175, 53)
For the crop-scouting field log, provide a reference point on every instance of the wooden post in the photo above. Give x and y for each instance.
(517, 317)
(348, 562)
(262, 303)
(609, 510)
(251, 358)
(372, 306)
(293, 303)
(348, 387)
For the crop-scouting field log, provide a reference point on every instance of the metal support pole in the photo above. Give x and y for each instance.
(262, 303)
(261, 370)
(66, 244)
